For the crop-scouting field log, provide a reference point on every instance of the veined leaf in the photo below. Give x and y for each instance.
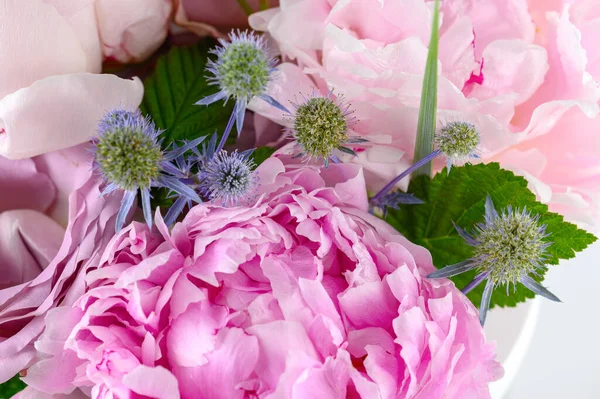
(459, 197)
(171, 91)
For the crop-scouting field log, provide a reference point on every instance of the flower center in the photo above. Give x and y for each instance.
(458, 140)
(320, 126)
(511, 247)
(128, 157)
(243, 70)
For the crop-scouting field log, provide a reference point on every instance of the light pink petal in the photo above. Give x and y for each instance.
(328, 381)
(274, 339)
(156, 382)
(36, 41)
(193, 334)
(24, 187)
(511, 66)
(29, 241)
(229, 365)
(61, 111)
(383, 23)
(370, 304)
(69, 169)
(131, 30)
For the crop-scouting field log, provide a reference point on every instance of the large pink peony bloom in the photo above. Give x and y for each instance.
(303, 295)
(525, 74)
(41, 265)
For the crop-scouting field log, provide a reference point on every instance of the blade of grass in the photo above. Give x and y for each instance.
(428, 108)
(245, 6)
(263, 4)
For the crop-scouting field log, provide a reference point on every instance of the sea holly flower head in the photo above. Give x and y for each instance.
(228, 179)
(320, 127)
(508, 248)
(127, 150)
(128, 157)
(243, 69)
(458, 142)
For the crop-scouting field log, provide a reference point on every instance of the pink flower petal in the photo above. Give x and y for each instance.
(61, 111)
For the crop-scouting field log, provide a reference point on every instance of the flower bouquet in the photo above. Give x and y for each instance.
(310, 199)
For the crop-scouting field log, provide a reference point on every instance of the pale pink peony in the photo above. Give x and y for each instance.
(41, 265)
(303, 295)
(132, 30)
(520, 74)
(213, 17)
(51, 95)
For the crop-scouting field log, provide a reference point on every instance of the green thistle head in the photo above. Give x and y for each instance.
(510, 246)
(320, 126)
(127, 152)
(458, 141)
(243, 67)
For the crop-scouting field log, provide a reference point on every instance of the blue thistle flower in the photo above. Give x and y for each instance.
(458, 142)
(128, 157)
(228, 179)
(243, 70)
(508, 248)
(185, 174)
(320, 128)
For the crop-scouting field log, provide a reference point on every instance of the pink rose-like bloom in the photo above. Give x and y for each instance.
(132, 30)
(524, 74)
(41, 264)
(305, 294)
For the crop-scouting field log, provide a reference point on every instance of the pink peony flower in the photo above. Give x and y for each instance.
(41, 265)
(304, 294)
(51, 96)
(130, 31)
(213, 17)
(520, 72)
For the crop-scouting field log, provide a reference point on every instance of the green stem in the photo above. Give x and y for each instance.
(428, 108)
(263, 4)
(245, 6)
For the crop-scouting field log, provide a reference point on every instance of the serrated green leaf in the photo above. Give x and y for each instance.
(428, 107)
(261, 154)
(460, 197)
(11, 387)
(171, 91)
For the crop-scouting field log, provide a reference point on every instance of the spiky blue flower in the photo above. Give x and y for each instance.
(320, 128)
(186, 175)
(128, 157)
(508, 249)
(243, 70)
(458, 142)
(393, 200)
(228, 179)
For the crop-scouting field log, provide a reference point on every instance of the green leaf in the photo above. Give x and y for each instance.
(460, 197)
(428, 108)
(171, 91)
(11, 387)
(261, 154)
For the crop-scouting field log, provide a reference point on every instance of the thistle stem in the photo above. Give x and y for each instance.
(245, 6)
(227, 129)
(402, 175)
